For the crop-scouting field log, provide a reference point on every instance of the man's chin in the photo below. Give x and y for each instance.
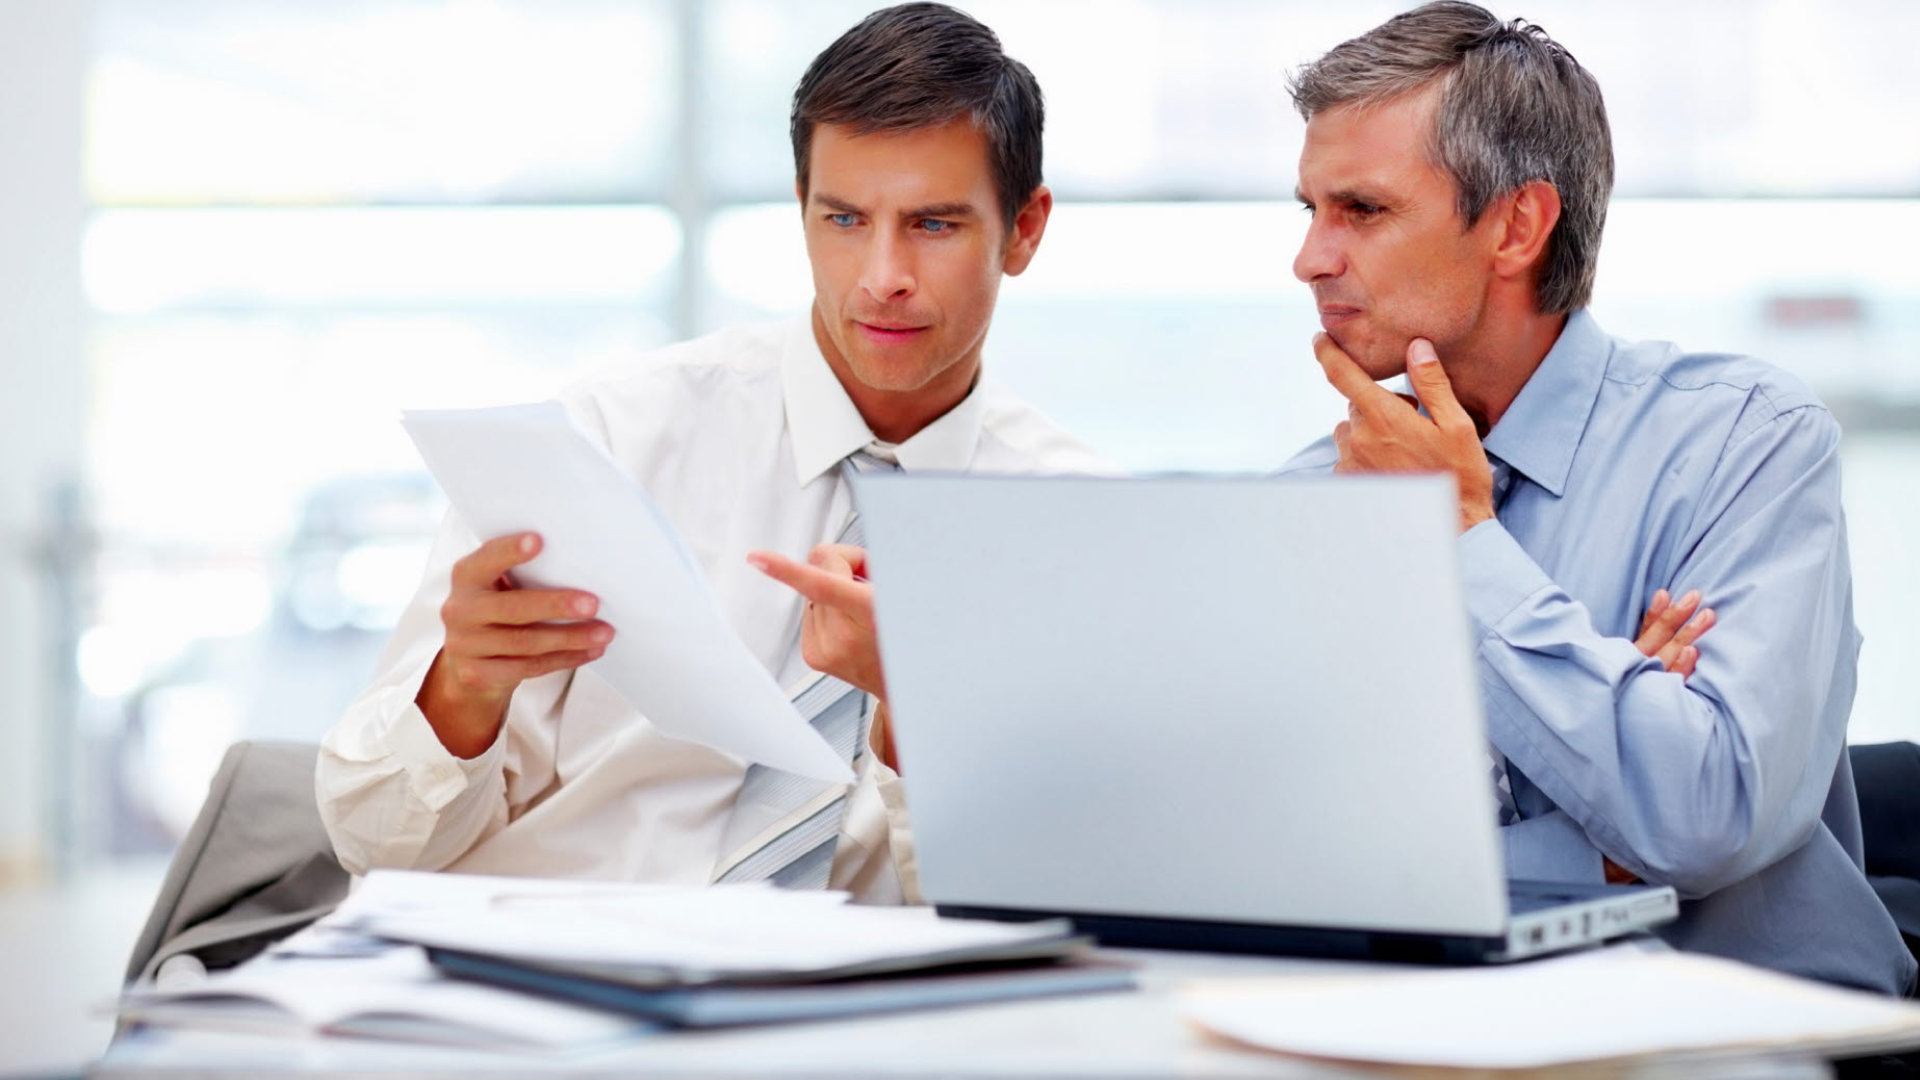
(1382, 368)
(894, 373)
(1380, 362)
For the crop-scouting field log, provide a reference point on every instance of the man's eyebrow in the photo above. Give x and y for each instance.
(941, 210)
(1356, 195)
(833, 202)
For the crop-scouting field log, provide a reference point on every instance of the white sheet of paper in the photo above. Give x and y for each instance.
(1616, 1003)
(528, 468)
(705, 929)
(385, 893)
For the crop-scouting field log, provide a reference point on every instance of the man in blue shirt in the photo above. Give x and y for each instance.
(1458, 170)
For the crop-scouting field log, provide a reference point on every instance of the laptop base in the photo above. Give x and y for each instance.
(1195, 935)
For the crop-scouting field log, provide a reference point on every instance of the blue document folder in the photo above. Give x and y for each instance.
(724, 1005)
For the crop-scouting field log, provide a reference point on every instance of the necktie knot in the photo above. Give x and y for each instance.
(876, 456)
(867, 459)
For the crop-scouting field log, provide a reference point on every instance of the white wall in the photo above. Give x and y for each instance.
(42, 384)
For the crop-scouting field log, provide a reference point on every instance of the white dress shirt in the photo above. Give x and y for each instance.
(738, 437)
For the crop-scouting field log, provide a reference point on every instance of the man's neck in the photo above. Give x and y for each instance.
(1489, 372)
(895, 416)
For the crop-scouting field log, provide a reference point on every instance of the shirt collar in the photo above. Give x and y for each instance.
(1540, 432)
(825, 427)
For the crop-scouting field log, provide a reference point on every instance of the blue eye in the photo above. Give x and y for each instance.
(935, 225)
(844, 221)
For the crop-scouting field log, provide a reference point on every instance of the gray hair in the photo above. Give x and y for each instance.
(1515, 107)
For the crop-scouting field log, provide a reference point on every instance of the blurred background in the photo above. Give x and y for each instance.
(242, 235)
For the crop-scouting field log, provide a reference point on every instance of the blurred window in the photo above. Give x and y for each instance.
(309, 217)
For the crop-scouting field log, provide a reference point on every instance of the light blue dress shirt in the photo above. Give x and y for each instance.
(1640, 467)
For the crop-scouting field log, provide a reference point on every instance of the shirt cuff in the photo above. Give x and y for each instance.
(434, 774)
(1497, 573)
(1552, 847)
(906, 861)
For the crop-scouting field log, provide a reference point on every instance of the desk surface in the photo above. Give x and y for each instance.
(1137, 1034)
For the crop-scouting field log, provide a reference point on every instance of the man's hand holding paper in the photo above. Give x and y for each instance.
(498, 636)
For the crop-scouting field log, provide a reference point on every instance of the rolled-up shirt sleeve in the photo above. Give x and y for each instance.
(1695, 782)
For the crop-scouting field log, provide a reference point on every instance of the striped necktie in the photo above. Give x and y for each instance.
(784, 827)
(1509, 810)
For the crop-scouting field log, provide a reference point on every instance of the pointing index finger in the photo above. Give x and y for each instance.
(836, 591)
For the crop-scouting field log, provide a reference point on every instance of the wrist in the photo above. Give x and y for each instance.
(466, 722)
(1474, 515)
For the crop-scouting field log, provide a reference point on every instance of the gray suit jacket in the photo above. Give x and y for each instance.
(255, 867)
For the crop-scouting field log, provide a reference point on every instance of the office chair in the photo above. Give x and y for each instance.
(1887, 776)
(255, 867)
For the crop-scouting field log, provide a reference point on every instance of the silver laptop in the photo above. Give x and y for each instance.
(1211, 713)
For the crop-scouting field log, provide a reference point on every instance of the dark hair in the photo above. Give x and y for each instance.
(919, 65)
(1515, 107)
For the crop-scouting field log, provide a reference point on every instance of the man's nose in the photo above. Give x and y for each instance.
(1319, 255)
(888, 273)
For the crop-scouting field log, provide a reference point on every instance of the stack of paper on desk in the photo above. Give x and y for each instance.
(721, 934)
(636, 956)
(1619, 1003)
(731, 954)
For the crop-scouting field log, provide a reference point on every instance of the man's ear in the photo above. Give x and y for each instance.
(1028, 226)
(1529, 217)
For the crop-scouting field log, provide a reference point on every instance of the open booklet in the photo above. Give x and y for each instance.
(394, 995)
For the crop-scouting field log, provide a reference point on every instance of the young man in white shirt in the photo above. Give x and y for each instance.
(483, 745)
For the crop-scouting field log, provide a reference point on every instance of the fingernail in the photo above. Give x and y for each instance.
(603, 634)
(757, 561)
(526, 544)
(582, 606)
(1692, 597)
(1420, 351)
